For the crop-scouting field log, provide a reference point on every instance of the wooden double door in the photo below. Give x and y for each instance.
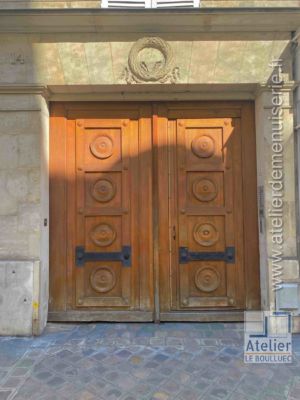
(153, 211)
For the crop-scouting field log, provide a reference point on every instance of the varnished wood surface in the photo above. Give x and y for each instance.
(58, 209)
(233, 168)
(154, 209)
(111, 316)
(125, 218)
(203, 316)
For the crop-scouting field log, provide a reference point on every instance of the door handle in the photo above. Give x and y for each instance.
(174, 232)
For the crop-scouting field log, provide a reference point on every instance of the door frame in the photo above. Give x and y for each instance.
(243, 109)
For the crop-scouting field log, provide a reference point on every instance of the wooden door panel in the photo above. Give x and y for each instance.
(103, 233)
(104, 216)
(203, 147)
(206, 233)
(205, 189)
(207, 193)
(167, 181)
(203, 284)
(104, 284)
(102, 148)
(103, 190)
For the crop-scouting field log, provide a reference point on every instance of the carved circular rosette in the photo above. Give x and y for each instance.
(206, 234)
(140, 71)
(207, 279)
(203, 146)
(103, 190)
(103, 279)
(103, 235)
(204, 189)
(102, 147)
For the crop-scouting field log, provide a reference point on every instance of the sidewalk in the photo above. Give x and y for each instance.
(184, 361)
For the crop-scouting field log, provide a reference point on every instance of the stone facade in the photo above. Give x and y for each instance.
(85, 59)
(14, 4)
(250, 3)
(21, 141)
(264, 144)
(40, 67)
(17, 283)
(24, 208)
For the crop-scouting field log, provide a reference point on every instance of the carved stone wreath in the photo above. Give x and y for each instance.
(143, 69)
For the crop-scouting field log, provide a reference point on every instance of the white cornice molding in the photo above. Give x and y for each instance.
(24, 89)
(296, 37)
(266, 87)
(148, 21)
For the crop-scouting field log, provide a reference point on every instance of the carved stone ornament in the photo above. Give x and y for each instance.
(151, 60)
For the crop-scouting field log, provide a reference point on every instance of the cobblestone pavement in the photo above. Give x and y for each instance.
(183, 361)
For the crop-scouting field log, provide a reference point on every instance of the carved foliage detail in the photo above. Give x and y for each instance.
(151, 59)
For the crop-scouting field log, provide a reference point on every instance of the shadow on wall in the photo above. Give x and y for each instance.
(64, 60)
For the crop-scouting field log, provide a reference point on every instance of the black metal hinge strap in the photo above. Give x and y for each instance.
(81, 256)
(186, 256)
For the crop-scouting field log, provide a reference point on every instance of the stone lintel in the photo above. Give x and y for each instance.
(151, 20)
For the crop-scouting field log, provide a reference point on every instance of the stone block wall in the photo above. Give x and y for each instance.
(85, 59)
(24, 201)
(14, 4)
(250, 3)
(66, 63)
(19, 179)
(17, 301)
(20, 4)
(289, 271)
